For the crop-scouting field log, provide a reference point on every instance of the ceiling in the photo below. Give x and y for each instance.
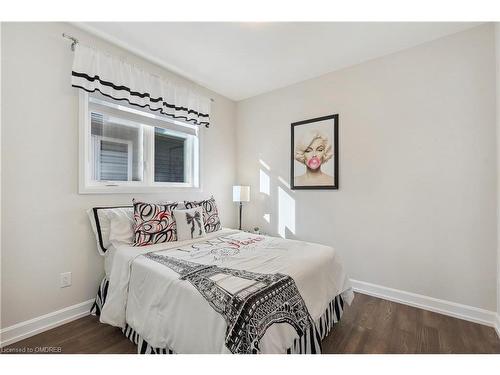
(241, 60)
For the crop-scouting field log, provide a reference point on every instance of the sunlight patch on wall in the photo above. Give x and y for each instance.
(267, 217)
(286, 213)
(265, 183)
(284, 182)
(264, 164)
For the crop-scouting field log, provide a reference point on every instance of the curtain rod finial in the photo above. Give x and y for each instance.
(73, 39)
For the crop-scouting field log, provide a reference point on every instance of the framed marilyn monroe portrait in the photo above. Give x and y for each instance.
(315, 153)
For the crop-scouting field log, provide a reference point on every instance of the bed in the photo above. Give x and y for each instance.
(227, 292)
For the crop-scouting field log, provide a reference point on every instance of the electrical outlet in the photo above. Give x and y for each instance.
(65, 279)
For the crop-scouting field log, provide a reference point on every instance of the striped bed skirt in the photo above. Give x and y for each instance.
(308, 343)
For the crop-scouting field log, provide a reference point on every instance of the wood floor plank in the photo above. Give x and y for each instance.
(401, 342)
(385, 316)
(369, 325)
(357, 337)
(373, 344)
(406, 318)
(338, 338)
(450, 341)
(427, 340)
(367, 317)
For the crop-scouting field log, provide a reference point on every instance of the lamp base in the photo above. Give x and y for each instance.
(241, 208)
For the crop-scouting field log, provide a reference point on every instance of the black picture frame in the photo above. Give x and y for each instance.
(335, 145)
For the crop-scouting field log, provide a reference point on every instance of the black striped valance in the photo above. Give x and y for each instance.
(96, 71)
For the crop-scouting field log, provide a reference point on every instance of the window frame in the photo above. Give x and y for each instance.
(147, 185)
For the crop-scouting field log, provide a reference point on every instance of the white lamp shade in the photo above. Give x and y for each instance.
(241, 193)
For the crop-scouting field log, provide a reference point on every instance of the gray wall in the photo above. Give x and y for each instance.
(497, 50)
(416, 209)
(44, 225)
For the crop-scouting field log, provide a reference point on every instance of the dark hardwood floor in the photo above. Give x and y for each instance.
(373, 325)
(369, 325)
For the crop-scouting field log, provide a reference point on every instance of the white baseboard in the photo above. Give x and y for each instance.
(23, 330)
(456, 310)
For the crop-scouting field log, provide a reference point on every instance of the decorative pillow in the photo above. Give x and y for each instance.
(180, 204)
(153, 223)
(189, 223)
(210, 213)
(100, 220)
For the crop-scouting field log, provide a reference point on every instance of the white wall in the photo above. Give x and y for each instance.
(416, 209)
(497, 50)
(0, 167)
(44, 225)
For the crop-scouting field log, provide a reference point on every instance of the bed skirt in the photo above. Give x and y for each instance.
(308, 343)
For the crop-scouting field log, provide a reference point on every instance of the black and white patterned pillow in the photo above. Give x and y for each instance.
(154, 223)
(210, 213)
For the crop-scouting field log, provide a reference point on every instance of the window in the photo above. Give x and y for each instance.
(127, 149)
(169, 157)
(116, 147)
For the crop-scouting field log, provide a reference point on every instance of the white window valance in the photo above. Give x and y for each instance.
(96, 71)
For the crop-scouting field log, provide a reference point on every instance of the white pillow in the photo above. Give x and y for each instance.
(121, 228)
(101, 223)
(189, 223)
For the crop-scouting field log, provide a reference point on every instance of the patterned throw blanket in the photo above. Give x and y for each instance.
(250, 311)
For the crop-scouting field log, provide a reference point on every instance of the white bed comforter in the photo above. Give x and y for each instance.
(169, 312)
